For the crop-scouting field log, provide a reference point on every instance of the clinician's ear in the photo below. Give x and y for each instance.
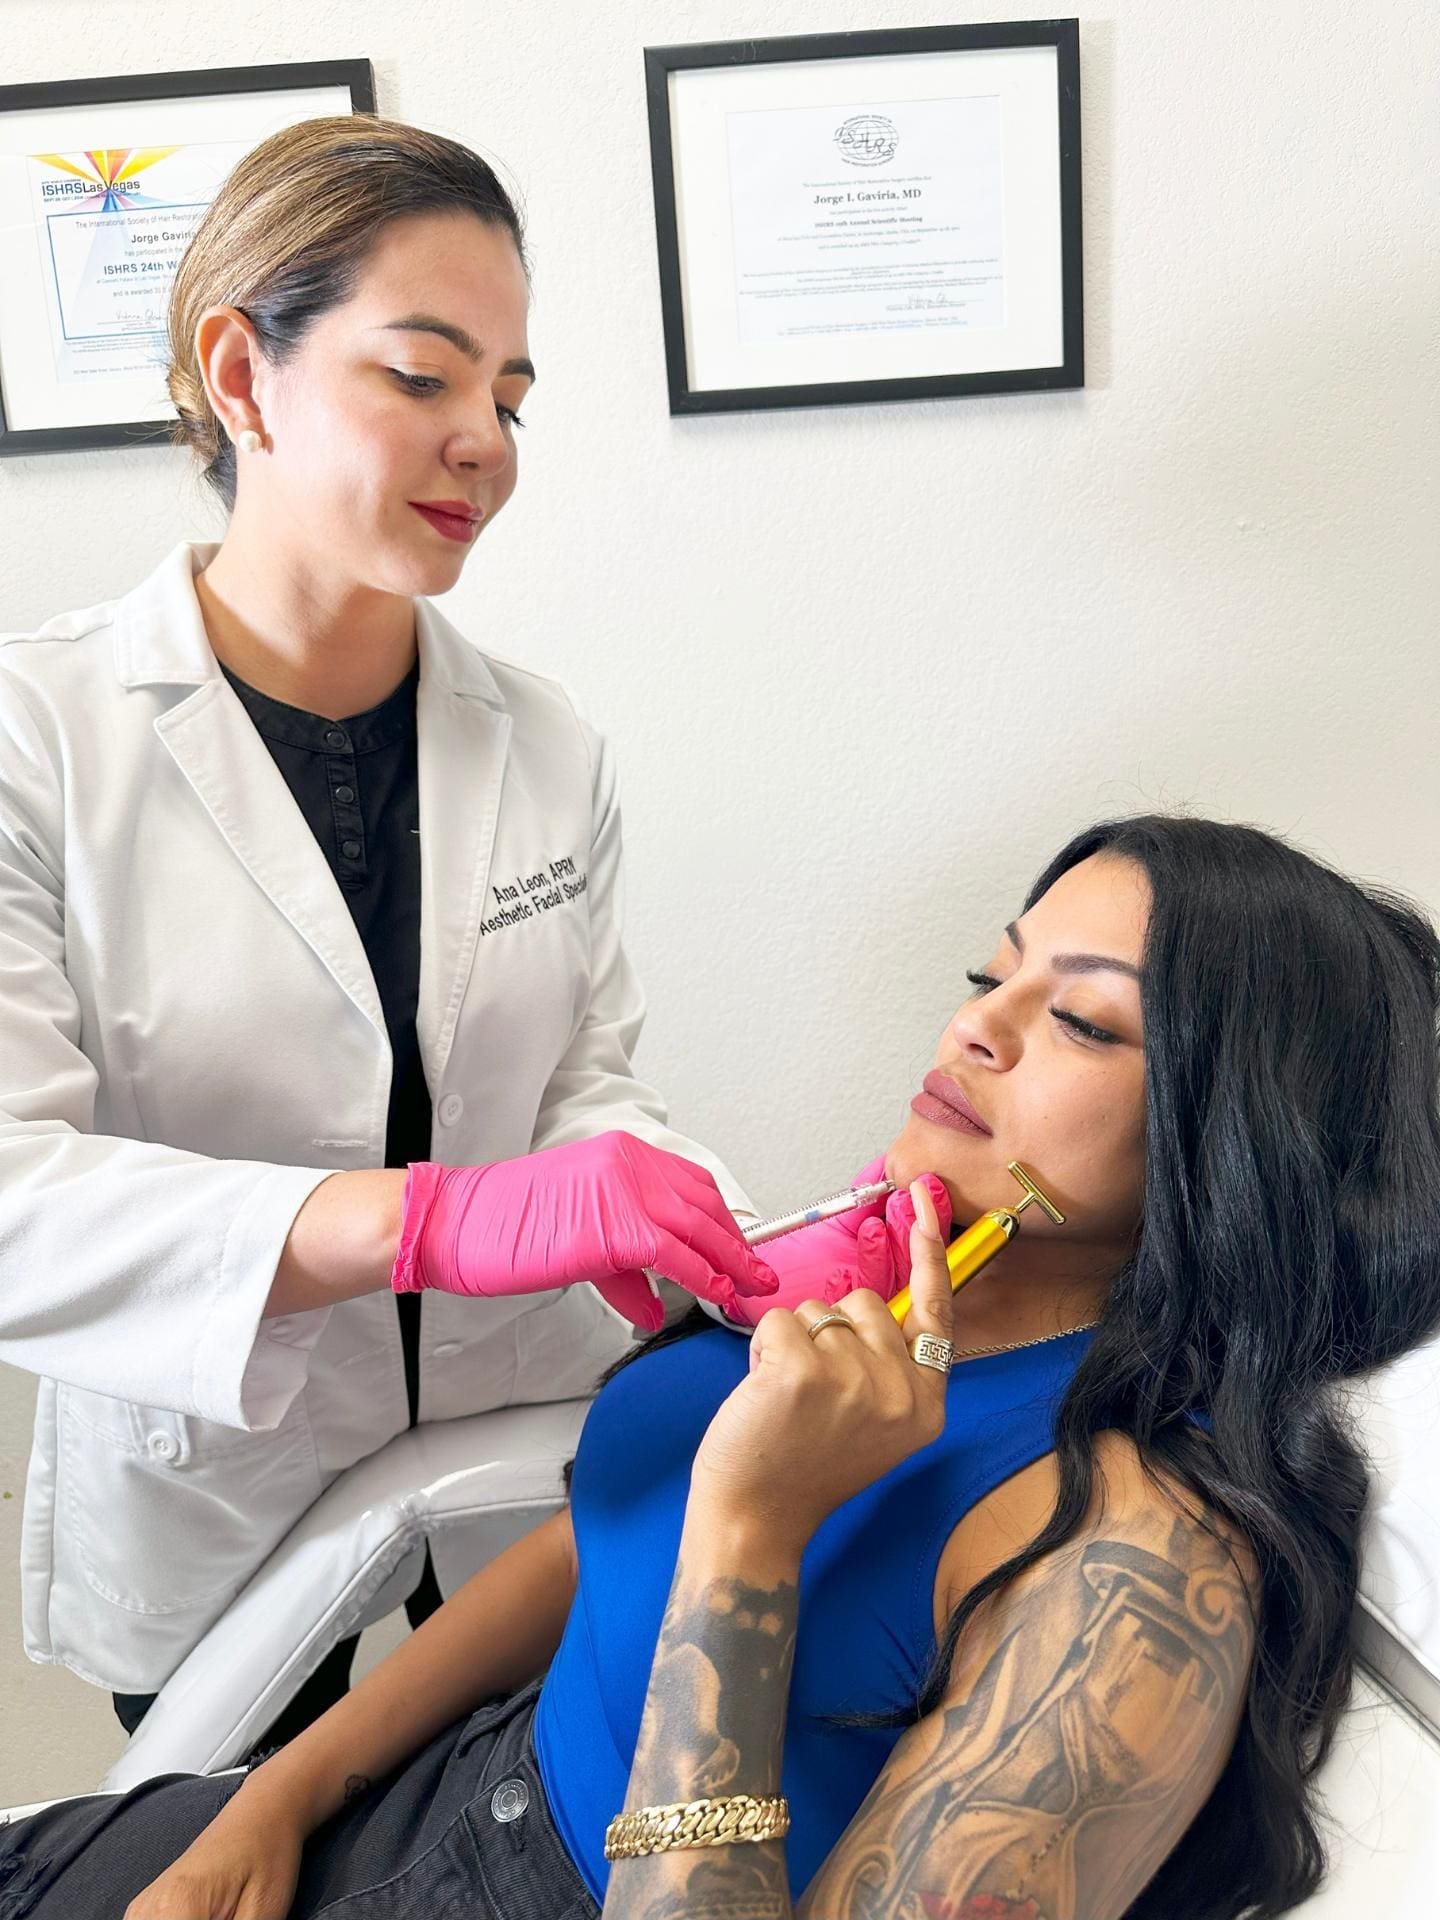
(231, 362)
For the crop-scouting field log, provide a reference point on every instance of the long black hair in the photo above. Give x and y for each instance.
(1290, 1242)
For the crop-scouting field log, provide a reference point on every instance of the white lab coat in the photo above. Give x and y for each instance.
(191, 1039)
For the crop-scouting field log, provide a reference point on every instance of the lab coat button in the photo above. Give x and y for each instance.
(451, 1108)
(509, 1800)
(446, 1348)
(163, 1446)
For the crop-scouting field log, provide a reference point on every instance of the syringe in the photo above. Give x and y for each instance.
(762, 1230)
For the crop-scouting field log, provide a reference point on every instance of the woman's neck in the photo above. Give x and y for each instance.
(313, 640)
(1028, 1293)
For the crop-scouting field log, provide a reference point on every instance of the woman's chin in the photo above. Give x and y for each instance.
(972, 1191)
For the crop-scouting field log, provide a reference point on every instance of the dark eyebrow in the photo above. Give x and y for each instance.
(457, 336)
(1077, 962)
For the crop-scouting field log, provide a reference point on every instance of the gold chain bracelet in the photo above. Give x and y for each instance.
(696, 1823)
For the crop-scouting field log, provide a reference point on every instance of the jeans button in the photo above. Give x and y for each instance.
(509, 1800)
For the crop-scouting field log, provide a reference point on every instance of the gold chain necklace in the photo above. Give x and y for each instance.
(1014, 1346)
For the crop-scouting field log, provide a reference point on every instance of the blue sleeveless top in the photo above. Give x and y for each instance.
(867, 1581)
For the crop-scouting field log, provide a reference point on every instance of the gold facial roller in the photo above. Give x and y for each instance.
(991, 1234)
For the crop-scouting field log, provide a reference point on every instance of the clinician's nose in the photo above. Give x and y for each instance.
(484, 446)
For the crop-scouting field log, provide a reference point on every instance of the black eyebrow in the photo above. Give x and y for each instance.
(1077, 962)
(457, 336)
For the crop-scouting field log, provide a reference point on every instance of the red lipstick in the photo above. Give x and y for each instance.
(456, 519)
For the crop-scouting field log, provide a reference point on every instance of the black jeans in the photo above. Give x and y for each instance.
(461, 1832)
(329, 1682)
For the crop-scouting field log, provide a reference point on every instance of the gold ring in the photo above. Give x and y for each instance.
(929, 1350)
(830, 1320)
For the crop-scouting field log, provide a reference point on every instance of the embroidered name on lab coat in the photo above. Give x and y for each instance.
(559, 883)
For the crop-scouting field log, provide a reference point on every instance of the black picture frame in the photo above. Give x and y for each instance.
(357, 76)
(1061, 34)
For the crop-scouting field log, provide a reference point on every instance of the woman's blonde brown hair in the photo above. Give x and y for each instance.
(287, 237)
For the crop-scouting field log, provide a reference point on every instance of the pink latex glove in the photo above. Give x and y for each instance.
(867, 1247)
(599, 1210)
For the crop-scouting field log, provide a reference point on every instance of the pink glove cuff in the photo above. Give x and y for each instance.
(421, 1186)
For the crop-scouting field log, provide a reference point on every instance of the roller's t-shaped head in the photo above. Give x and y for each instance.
(1032, 1192)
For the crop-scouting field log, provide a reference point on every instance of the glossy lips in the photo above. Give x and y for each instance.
(943, 1103)
(454, 518)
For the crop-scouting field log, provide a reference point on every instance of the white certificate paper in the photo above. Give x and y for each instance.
(886, 219)
(111, 226)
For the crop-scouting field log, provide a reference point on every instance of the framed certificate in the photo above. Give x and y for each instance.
(868, 216)
(102, 183)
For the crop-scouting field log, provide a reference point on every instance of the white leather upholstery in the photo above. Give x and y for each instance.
(471, 1487)
(1399, 1635)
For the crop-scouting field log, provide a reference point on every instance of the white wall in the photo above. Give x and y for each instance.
(867, 666)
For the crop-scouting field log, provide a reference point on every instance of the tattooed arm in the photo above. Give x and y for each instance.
(714, 1722)
(1092, 1706)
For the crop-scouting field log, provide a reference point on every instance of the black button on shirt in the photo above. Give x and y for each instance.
(356, 783)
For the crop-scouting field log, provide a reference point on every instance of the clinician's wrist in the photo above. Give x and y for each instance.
(341, 1243)
(389, 1218)
(418, 1189)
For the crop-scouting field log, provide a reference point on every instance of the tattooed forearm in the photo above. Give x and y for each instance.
(355, 1785)
(1090, 1738)
(714, 1724)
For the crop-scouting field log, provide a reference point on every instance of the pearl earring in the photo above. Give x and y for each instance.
(249, 441)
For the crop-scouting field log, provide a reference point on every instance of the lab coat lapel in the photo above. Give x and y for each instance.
(213, 742)
(464, 736)
(160, 639)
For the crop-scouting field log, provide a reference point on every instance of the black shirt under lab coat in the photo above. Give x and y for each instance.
(356, 782)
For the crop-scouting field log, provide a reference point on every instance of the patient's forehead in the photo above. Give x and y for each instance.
(1101, 905)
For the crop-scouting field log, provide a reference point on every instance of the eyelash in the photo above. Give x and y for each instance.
(424, 384)
(986, 983)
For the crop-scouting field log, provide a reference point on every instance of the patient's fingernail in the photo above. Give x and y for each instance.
(926, 1217)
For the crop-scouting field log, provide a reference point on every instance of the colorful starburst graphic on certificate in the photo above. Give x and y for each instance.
(113, 174)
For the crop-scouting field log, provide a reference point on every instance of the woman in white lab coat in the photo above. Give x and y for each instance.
(297, 888)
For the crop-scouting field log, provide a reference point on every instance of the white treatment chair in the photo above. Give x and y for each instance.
(471, 1486)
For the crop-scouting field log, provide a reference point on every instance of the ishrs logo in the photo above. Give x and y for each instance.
(105, 179)
(867, 139)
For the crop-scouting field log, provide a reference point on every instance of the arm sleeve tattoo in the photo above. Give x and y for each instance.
(1066, 1763)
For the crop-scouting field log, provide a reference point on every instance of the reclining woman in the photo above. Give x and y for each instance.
(1065, 1634)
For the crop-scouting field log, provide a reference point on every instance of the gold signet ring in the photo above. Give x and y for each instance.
(830, 1320)
(929, 1350)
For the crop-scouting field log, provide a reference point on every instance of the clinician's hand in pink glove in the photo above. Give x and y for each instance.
(867, 1247)
(599, 1210)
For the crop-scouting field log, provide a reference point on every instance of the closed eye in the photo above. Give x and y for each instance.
(986, 983)
(418, 382)
(424, 384)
